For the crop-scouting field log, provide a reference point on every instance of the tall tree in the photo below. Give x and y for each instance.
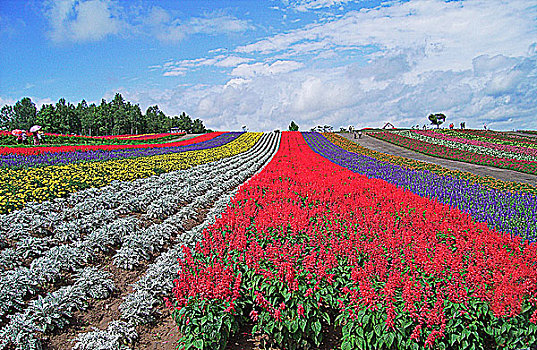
(185, 123)
(198, 127)
(47, 117)
(7, 117)
(25, 114)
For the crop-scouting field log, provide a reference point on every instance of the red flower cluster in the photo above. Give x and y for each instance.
(55, 149)
(307, 234)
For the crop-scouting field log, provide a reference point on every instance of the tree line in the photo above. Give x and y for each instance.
(116, 117)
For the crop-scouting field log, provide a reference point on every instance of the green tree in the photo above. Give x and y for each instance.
(25, 114)
(156, 120)
(293, 126)
(185, 123)
(198, 127)
(46, 117)
(7, 116)
(437, 119)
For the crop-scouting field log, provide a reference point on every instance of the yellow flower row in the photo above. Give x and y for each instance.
(45, 183)
(417, 165)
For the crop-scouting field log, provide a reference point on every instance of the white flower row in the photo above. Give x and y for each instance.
(82, 213)
(138, 307)
(466, 147)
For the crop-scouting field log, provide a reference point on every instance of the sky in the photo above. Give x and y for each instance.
(264, 63)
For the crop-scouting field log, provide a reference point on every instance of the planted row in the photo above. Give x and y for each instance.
(307, 243)
(39, 184)
(453, 153)
(506, 211)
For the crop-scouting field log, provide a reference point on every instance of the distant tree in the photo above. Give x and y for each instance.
(328, 128)
(7, 116)
(342, 129)
(437, 119)
(293, 126)
(185, 123)
(198, 127)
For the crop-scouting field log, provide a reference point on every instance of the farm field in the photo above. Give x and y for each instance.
(495, 149)
(299, 238)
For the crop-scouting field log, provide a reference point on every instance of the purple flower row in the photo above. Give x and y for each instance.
(47, 159)
(505, 211)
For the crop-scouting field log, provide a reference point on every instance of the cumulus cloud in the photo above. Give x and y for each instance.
(476, 61)
(78, 21)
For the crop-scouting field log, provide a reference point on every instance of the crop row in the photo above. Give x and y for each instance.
(26, 151)
(307, 243)
(417, 165)
(475, 146)
(506, 211)
(448, 152)
(104, 153)
(497, 137)
(492, 139)
(149, 291)
(134, 237)
(39, 184)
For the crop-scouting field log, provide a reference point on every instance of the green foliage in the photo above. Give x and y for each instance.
(116, 117)
(437, 119)
(293, 126)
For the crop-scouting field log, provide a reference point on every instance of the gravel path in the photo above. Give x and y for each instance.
(386, 147)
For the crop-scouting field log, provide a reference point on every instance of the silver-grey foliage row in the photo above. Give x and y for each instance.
(100, 231)
(199, 186)
(138, 308)
(54, 310)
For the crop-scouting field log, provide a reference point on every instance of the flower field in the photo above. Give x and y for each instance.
(290, 236)
(68, 242)
(307, 243)
(6, 138)
(472, 147)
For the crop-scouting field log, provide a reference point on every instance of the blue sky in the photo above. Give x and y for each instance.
(265, 63)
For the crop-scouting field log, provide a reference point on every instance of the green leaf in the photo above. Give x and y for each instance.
(389, 339)
(198, 344)
(316, 326)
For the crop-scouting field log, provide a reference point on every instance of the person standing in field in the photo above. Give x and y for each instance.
(360, 134)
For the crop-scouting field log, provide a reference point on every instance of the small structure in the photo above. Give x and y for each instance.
(176, 131)
(388, 125)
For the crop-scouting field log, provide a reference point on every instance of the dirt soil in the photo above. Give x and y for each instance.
(159, 335)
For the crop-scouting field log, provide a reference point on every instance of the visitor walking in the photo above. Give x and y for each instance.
(360, 134)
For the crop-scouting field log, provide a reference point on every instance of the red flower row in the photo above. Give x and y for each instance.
(54, 149)
(307, 234)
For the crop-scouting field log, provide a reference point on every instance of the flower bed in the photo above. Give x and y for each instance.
(20, 186)
(307, 243)
(26, 151)
(442, 151)
(105, 153)
(6, 138)
(506, 211)
(437, 169)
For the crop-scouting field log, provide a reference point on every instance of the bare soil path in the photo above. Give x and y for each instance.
(481, 170)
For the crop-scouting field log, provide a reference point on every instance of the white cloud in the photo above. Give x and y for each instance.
(306, 5)
(78, 21)
(166, 27)
(476, 61)
(257, 69)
